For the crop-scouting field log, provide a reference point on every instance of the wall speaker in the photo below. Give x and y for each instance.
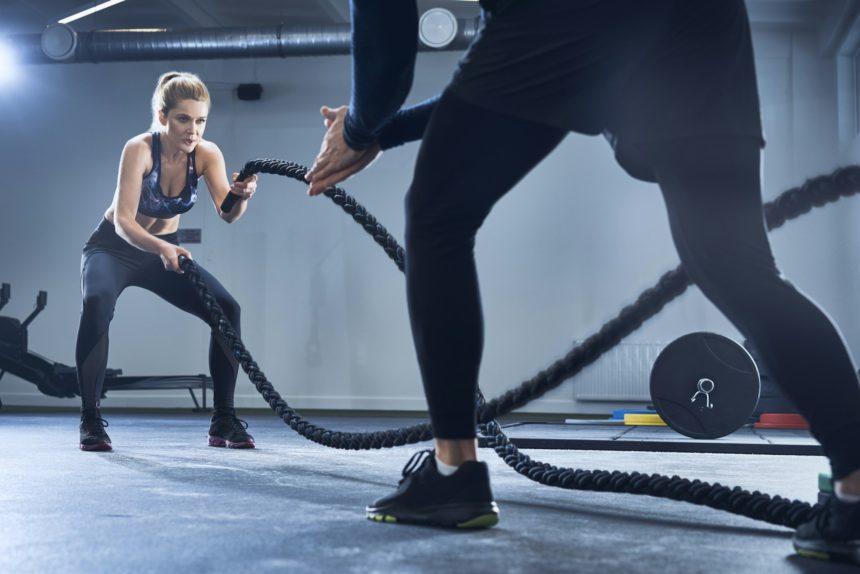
(249, 92)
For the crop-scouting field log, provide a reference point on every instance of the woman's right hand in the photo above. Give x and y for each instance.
(170, 253)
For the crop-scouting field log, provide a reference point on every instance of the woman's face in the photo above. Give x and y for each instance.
(185, 123)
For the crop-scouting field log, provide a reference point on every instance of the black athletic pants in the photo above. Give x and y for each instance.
(470, 157)
(109, 265)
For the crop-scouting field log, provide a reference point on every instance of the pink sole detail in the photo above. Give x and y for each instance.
(220, 442)
(101, 447)
(246, 444)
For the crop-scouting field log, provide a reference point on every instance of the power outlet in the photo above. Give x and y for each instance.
(190, 235)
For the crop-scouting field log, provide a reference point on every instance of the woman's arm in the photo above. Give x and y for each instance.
(214, 171)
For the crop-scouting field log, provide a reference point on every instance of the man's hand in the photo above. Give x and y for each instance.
(336, 161)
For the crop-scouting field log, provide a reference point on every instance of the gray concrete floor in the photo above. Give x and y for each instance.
(165, 502)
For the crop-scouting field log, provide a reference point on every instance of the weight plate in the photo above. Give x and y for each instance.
(704, 385)
(651, 420)
(781, 421)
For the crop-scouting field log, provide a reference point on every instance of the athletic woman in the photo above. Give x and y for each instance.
(136, 244)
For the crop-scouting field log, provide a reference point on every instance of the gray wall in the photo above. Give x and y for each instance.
(323, 308)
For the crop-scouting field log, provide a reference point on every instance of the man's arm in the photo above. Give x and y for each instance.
(384, 46)
(407, 125)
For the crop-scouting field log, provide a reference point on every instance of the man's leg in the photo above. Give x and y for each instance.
(469, 158)
(713, 196)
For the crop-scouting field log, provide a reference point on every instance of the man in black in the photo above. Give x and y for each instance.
(672, 85)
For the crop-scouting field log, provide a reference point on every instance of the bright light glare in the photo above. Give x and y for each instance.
(8, 66)
(89, 11)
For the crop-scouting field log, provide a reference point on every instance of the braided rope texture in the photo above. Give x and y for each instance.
(815, 192)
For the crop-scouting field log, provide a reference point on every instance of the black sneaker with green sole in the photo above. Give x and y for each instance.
(425, 497)
(834, 534)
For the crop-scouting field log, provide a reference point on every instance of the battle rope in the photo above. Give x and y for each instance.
(777, 510)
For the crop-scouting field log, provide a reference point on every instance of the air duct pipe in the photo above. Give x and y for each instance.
(59, 43)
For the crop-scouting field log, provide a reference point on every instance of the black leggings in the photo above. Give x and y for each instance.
(109, 265)
(470, 157)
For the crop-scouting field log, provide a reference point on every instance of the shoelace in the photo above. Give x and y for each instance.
(415, 462)
(235, 422)
(823, 518)
(239, 424)
(88, 421)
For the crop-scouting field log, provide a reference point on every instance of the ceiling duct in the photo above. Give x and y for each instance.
(61, 44)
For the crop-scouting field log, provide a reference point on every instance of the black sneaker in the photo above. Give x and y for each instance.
(833, 535)
(227, 430)
(93, 435)
(462, 500)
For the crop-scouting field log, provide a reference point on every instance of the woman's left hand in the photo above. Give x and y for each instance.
(245, 188)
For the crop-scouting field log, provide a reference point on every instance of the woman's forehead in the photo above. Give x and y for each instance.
(194, 108)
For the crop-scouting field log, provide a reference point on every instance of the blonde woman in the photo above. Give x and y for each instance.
(136, 244)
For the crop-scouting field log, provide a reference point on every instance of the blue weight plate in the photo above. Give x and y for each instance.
(704, 385)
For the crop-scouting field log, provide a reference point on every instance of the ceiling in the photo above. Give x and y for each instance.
(31, 16)
(833, 18)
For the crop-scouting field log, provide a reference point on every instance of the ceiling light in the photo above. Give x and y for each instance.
(8, 65)
(92, 9)
(140, 30)
(59, 42)
(437, 27)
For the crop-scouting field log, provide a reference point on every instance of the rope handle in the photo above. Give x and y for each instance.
(232, 199)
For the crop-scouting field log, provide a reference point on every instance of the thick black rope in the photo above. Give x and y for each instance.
(777, 510)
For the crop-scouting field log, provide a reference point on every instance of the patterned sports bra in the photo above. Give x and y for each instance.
(153, 203)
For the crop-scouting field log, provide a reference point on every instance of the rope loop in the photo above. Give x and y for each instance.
(815, 192)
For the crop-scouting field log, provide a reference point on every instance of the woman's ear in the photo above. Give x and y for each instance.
(162, 117)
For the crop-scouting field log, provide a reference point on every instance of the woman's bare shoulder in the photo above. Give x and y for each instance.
(208, 149)
(141, 143)
(208, 154)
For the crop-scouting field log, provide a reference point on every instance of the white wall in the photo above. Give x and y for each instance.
(323, 309)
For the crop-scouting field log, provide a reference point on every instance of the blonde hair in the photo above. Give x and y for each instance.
(175, 86)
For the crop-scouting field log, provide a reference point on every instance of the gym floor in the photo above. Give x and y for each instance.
(163, 501)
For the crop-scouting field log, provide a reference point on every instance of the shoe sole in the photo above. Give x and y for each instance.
(100, 447)
(221, 443)
(847, 554)
(481, 516)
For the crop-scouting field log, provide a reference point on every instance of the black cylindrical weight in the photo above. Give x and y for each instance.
(704, 385)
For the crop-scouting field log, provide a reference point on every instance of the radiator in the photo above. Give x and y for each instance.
(621, 374)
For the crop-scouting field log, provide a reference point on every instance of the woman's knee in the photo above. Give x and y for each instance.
(98, 306)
